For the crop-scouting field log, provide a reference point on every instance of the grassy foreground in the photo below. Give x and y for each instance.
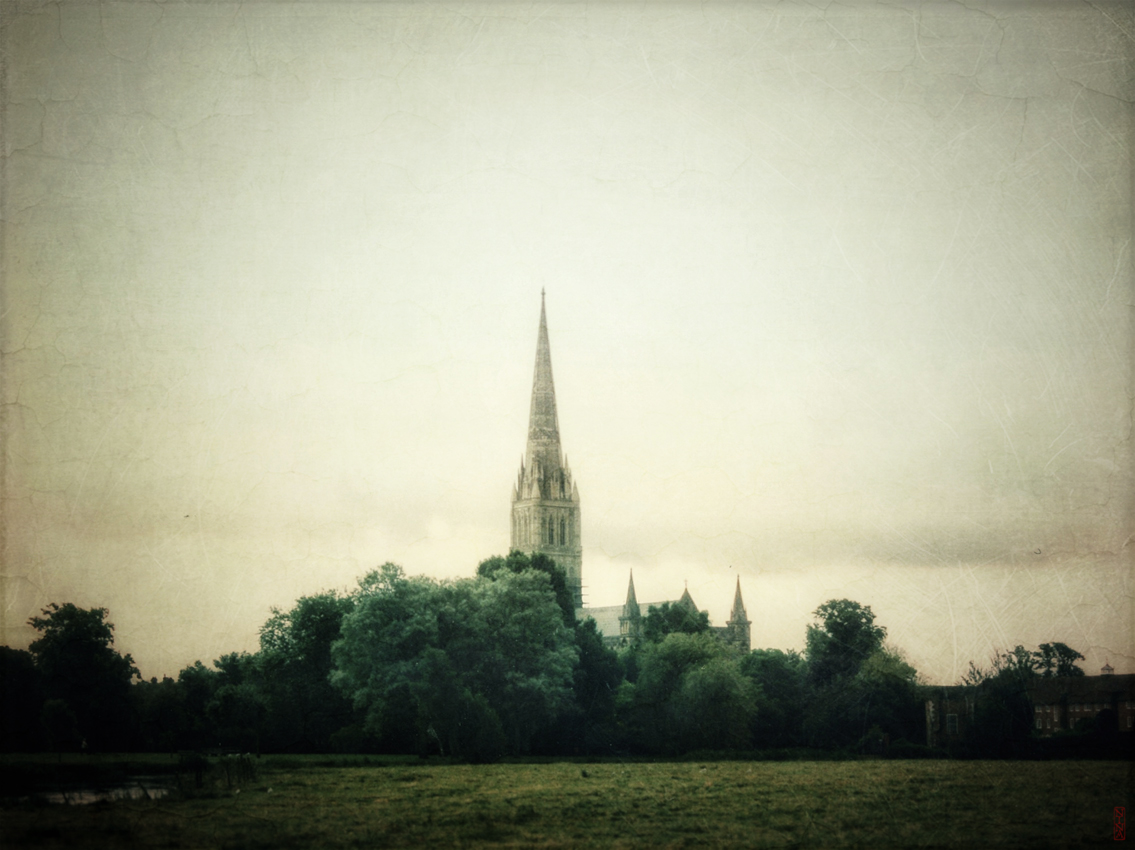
(314, 802)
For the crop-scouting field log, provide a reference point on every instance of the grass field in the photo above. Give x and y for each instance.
(321, 802)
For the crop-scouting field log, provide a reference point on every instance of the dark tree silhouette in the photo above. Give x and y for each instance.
(75, 656)
(21, 702)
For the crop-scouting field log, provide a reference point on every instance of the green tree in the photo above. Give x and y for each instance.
(715, 706)
(303, 709)
(588, 724)
(672, 618)
(518, 562)
(881, 699)
(1003, 711)
(461, 653)
(196, 686)
(595, 683)
(780, 678)
(162, 719)
(890, 696)
(690, 692)
(238, 708)
(79, 665)
(844, 636)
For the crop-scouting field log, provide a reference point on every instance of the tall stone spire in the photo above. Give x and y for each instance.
(543, 424)
(545, 500)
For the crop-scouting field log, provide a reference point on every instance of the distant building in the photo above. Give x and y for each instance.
(949, 715)
(546, 516)
(1107, 700)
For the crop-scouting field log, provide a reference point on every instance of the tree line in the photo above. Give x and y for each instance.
(477, 669)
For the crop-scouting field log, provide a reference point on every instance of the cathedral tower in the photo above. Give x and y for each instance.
(545, 501)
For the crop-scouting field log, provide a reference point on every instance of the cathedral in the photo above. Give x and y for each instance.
(546, 518)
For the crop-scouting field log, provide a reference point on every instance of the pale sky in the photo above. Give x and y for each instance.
(839, 296)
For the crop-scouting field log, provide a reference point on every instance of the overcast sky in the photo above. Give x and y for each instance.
(839, 296)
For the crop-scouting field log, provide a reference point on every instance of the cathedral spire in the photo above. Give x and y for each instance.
(545, 499)
(543, 424)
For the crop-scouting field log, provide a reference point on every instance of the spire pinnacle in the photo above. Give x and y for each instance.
(632, 600)
(738, 612)
(543, 424)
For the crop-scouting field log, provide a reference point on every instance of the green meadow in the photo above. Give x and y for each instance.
(357, 803)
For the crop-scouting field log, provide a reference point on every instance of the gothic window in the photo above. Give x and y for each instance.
(563, 531)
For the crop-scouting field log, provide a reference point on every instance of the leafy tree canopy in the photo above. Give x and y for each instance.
(66, 631)
(844, 636)
(484, 662)
(690, 692)
(518, 562)
(305, 633)
(304, 710)
(888, 665)
(673, 618)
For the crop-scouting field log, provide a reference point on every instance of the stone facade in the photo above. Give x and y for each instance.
(545, 500)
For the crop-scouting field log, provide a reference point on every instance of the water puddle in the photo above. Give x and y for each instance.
(135, 789)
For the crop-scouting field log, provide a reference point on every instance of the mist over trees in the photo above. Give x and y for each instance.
(491, 666)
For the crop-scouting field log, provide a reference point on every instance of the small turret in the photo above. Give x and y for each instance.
(630, 623)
